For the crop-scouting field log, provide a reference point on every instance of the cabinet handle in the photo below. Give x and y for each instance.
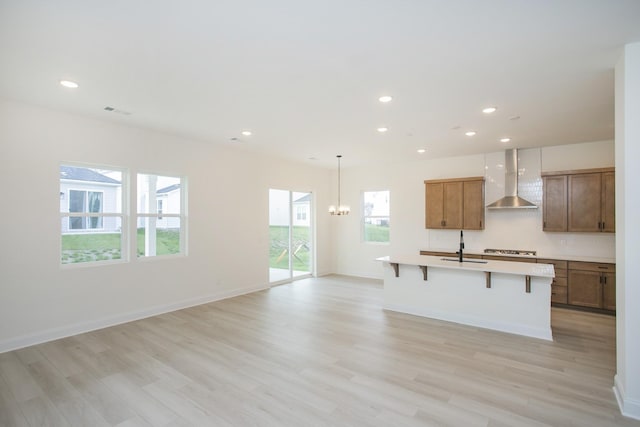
(603, 267)
(544, 224)
(604, 280)
(602, 225)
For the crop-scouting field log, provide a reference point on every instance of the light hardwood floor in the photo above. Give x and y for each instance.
(315, 352)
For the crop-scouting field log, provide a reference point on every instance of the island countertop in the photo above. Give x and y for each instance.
(507, 296)
(490, 266)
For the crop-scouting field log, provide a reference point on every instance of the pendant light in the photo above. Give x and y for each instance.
(342, 209)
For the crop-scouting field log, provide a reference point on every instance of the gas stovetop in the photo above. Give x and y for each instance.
(509, 252)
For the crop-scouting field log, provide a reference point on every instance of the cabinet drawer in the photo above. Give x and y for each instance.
(592, 266)
(436, 253)
(450, 254)
(560, 282)
(559, 294)
(508, 258)
(557, 265)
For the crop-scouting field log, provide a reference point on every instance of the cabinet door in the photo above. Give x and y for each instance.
(609, 202)
(434, 205)
(609, 291)
(554, 205)
(585, 288)
(584, 202)
(559, 294)
(453, 205)
(473, 205)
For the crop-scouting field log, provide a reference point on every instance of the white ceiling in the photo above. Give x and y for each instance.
(305, 76)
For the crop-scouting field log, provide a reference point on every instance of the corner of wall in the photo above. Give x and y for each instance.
(628, 407)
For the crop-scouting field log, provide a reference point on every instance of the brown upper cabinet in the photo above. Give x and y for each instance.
(579, 201)
(554, 203)
(455, 203)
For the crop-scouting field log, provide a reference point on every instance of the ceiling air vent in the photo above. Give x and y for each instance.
(117, 111)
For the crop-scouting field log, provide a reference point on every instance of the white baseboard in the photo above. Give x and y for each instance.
(92, 325)
(540, 333)
(628, 407)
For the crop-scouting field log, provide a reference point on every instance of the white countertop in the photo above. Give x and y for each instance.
(491, 266)
(582, 258)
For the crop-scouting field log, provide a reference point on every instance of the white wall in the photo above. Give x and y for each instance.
(227, 219)
(627, 380)
(521, 229)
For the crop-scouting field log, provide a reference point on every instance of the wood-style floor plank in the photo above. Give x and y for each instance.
(318, 352)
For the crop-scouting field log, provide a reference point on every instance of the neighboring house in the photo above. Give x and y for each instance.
(376, 207)
(84, 190)
(279, 208)
(302, 211)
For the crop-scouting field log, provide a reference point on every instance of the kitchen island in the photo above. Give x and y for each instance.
(512, 297)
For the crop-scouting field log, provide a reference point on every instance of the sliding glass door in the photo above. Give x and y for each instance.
(290, 235)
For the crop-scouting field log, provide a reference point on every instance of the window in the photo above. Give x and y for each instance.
(375, 216)
(82, 201)
(91, 214)
(301, 213)
(161, 215)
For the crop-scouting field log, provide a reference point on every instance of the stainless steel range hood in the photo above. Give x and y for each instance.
(511, 200)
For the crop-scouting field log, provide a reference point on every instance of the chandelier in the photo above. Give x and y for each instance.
(341, 209)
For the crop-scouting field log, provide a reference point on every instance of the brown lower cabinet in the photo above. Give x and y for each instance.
(580, 284)
(592, 285)
(559, 284)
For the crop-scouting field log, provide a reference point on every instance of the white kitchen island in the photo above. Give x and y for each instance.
(507, 296)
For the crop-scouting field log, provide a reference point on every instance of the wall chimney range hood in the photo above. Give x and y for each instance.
(511, 200)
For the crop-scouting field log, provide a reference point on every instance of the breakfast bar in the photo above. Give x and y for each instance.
(512, 297)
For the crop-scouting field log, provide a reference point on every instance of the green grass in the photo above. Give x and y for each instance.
(98, 241)
(167, 242)
(106, 246)
(279, 243)
(376, 233)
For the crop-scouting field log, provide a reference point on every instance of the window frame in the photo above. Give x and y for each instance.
(122, 201)
(364, 218)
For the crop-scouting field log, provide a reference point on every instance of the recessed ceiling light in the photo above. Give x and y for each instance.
(382, 129)
(489, 110)
(505, 139)
(246, 132)
(69, 84)
(470, 133)
(421, 150)
(385, 98)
